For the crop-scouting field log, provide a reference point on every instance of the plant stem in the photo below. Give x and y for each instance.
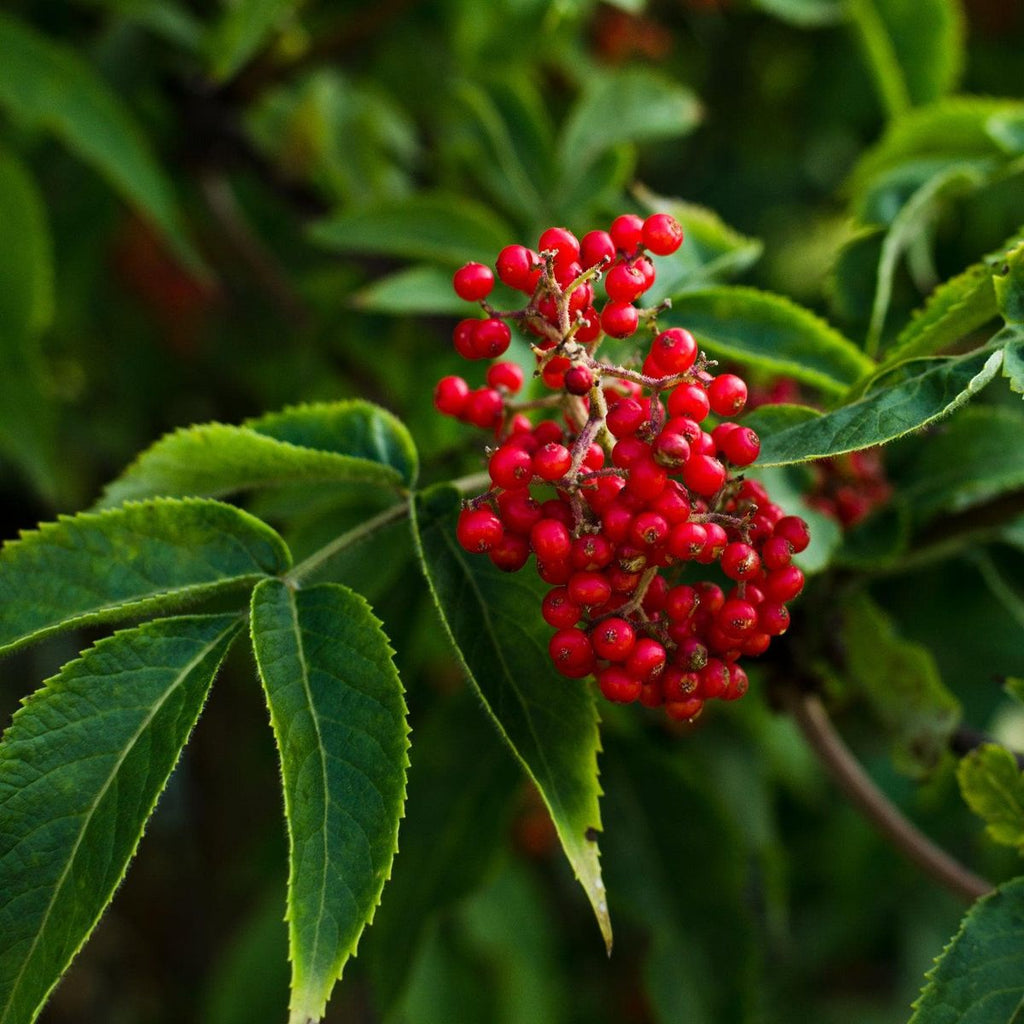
(814, 722)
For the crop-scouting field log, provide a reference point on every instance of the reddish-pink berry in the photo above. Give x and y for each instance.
(478, 529)
(619, 319)
(571, 652)
(510, 467)
(704, 474)
(550, 540)
(727, 394)
(627, 232)
(674, 351)
(578, 380)
(473, 282)
(505, 375)
(662, 234)
(519, 268)
(491, 338)
(558, 610)
(740, 561)
(450, 395)
(613, 639)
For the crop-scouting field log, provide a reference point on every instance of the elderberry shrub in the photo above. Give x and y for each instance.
(623, 483)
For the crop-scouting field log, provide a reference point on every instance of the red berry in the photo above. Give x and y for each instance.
(550, 540)
(671, 450)
(674, 351)
(776, 552)
(558, 610)
(463, 338)
(741, 446)
(473, 282)
(624, 283)
(727, 394)
(627, 232)
(704, 474)
(773, 618)
(450, 395)
(715, 544)
(578, 380)
(619, 319)
(519, 268)
(648, 529)
(571, 652)
(592, 551)
(590, 326)
(646, 660)
(510, 553)
(662, 234)
(646, 478)
(564, 243)
(681, 602)
(740, 561)
(589, 588)
(505, 375)
(556, 572)
(736, 617)
(618, 685)
(714, 679)
(794, 530)
(738, 683)
(491, 338)
(613, 639)
(689, 400)
(687, 540)
(782, 585)
(478, 529)
(519, 511)
(552, 461)
(553, 373)
(511, 467)
(596, 246)
(484, 408)
(625, 417)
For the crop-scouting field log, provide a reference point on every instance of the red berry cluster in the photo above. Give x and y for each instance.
(625, 481)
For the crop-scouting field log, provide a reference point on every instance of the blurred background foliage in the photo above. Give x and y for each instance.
(212, 210)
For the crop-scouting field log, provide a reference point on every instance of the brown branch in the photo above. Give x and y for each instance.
(848, 773)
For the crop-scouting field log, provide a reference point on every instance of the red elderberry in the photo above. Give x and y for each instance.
(619, 319)
(627, 232)
(662, 234)
(727, 394)
(479, 529)
(613, 639)
(519, 268)
(450, 395)
(473, 282)
(572, 653)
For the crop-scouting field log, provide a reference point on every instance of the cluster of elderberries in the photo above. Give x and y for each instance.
(626, 479)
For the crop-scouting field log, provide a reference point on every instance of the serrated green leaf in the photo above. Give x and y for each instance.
(145, 557)
(943, 386)
(442, 228)
(993, 787)
(1009, 285)
(770, 332)
(770, 419)
(902, 682)
(979, 978)
(805, 13)
(631, 105)
(47, 84)
(550, 723)
(468, 785)
(338, 713)
(421, 290)
(243, 27)
(711, 250)
(81, 768)
(340, 442)
(976, 456)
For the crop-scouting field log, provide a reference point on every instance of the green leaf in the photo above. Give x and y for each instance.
(442, 228)
(770, 419)
(420, 290)
(993, 786)
(468, 785)
(943, 386)
(338, 714)
(1009, 285)
(550, 723)
(149, 556)
(631, 105)
(805, 13)
(47, 84)
(768, 331)
(980, 975)
(81, 768)
(340, 442)
(1001, 585)
(974, 457)
(907, 227)
(241, 30)
(26, 258)
(902, 682)
(1013, 363)
(711, 251)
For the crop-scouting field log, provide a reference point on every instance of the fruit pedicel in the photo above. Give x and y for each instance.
(625, 483)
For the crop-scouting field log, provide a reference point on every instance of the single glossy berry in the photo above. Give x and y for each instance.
(782, 585)
(491, 338)
(627, 232)
(646, 478)
(511, 553)
(519, 511)
(684, 711)
(478, 529)
(618, 685)
(647, 659)
(727, 394)
(556, 572)
(704, 474)
(738, 683)
(714, 679)
(591, 552)
(671, 450)
(552, 461)
(740, 446)
(625, 417)
(773, 618)
(681, 602)
(590, 326)
(646, 268)
(691, 655)
(564, 243)
(450, 395)
(519, 268)
(473, 282)
(619, 319)
(714, 545)
(740, 561)
(578, 380)
(794, 530)
(463, 338)
(662, 234)
(674, 351)
(687, 540)
(589, 588)
(553, 373)
(624, 282)
(571, 653)
(484, 408)
(690, 400)
(648, 529)
(736, 617)
(558, 610)
(506, 375)
(510, 467)
(613, 639)
(550, 540)
(596, 246)
(776, 552)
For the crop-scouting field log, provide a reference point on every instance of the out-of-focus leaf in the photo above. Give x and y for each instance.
(942, 386)
(448, 229)
(1005, 590)
(980, 974)
(902, 682)
(549, 722)
(632, 105)
(242, 29)
(1009, 285)
(416, 290)
(769, 332)
(805, 13)
(993, 786)
(339, 719)
(46, 84)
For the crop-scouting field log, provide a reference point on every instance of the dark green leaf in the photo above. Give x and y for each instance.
(805, 13)
(448, 229)
(902, 682)
(81, 768)
(423, 290)
(1009, 284)
(942, 386)
(980, 975)
(149, 556)
(550, 723)
(770, 419)
(769, 332)
(632, 105)
(993, 786)
(242, 29)
(338, 714)
(976, 456)
(352, 441)
(46, 84)
(1002, 585)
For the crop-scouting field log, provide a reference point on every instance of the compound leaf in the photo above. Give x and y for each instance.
(340, 442)
(339, 718)
(81, 768)
(550, 723)
(148, 556)
(770, 332)
(980, 975)
(993, 786)
(887, 413)
(47, 84)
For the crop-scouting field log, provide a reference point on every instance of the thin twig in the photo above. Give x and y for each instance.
(814, 722)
